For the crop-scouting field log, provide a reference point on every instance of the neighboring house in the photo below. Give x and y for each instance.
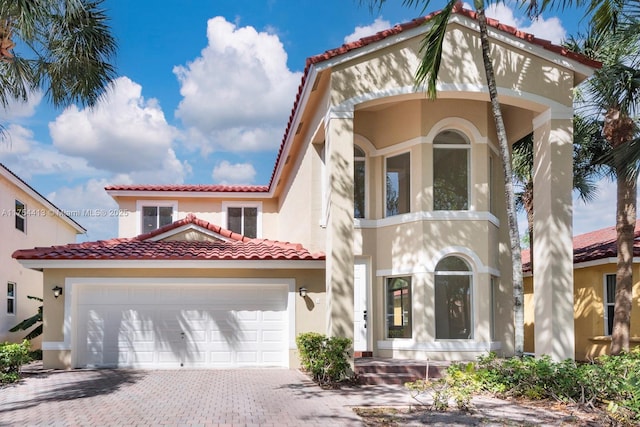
(397, 203)
(27, 219)
(595, 257)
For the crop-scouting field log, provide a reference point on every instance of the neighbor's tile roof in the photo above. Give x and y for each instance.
(345, 48)
(592, 246)
(143, 247)
(197, 188)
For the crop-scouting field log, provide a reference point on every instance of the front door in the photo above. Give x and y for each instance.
(360, 313)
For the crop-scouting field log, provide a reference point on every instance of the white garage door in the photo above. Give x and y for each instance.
(173, 326)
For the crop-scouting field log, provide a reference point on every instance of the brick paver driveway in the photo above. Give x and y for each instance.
(277, 397)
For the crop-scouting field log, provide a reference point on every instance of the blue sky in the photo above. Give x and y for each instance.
(204, 92)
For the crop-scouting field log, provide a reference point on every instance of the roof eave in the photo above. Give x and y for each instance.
(253, 264)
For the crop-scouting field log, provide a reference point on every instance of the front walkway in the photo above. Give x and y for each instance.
(269, 397)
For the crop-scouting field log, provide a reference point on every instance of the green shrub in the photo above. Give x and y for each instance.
(12, 357)
(326, 359)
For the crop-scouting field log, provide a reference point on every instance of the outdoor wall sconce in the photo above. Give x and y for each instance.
(303, 292)
(57, 291)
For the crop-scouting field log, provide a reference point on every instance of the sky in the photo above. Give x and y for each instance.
(203, 94)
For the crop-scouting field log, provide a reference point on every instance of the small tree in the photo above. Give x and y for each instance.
(29, 322)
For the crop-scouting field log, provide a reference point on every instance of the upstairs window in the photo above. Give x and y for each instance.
(154, 217)
(243, 218)
(450, 172)
(398, 184)
(359, 174)
(11, 298)
(21, 217)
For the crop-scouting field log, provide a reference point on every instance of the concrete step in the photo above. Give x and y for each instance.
(393, 371)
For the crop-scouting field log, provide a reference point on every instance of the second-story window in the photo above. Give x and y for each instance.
(398, 184)
(243, 218)
(450, 172)
(20, 214)
(154, 217)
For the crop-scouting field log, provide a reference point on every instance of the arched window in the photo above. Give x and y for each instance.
(359, 173)
(453, 299)
(450, 171)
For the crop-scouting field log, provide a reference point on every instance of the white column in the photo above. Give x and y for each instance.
(552, 237)
(339, 249)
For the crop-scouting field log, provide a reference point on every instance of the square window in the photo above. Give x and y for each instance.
(243, 220)
(154, 217)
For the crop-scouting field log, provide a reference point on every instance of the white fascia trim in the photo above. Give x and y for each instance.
(188, 227)
(439, 345)
(427, 216)
(603, 261)
(518, 43)
(189, 264)
(304, 98)
(53, 210)
(190, 194)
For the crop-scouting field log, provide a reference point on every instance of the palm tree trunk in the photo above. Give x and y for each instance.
(625, 228)
(505, 156)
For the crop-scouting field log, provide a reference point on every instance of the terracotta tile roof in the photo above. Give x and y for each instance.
(143, 248)
(196, 188)
(592, 246)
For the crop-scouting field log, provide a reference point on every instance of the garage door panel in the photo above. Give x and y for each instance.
(194, 326)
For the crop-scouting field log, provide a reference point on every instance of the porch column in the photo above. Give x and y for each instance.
(339, 249)
(552, 237)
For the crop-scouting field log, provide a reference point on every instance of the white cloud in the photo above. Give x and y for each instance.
(18, 109)
(91, 207)
(597, 214)
(237, 173)
(378, 25)
(549, 29)
(240, 85)
(16, 140)
(122, 133)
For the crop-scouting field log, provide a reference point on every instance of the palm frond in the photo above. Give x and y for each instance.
(431, 50)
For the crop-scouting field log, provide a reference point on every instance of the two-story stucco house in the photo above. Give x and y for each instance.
(396, 206)
(27, 219)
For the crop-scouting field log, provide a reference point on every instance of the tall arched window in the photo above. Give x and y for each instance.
(453, 299)
(359, 173)
(450, 171)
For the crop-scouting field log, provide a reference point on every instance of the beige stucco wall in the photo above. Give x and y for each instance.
(309, 312)
(43, 228)
(588, 311)
(208, 209)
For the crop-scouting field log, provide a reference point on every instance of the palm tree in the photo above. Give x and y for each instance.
(610, 104)
(61, 47)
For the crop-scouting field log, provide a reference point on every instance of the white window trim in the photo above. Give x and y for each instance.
(606, 303)
(384, 183)
(159, 203)
(23, 216)
(14, 298)
(258, 205)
